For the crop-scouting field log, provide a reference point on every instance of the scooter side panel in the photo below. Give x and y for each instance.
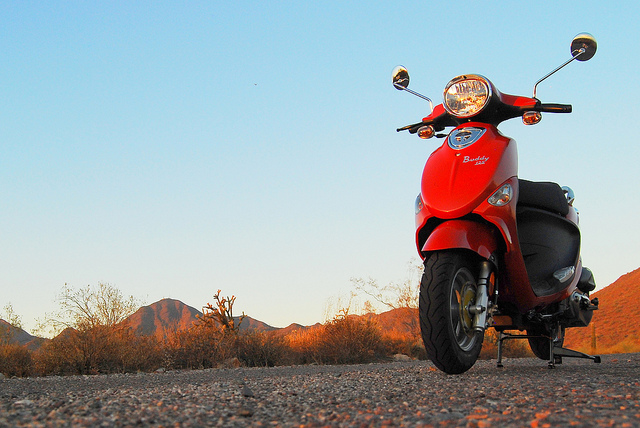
(514, 283)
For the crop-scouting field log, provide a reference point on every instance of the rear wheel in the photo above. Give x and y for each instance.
(540, 346)
(448, 287)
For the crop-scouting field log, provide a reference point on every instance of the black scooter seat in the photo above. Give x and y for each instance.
(544, 195)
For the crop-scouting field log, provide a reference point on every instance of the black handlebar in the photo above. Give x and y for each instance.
(444, 119)
(554, 108)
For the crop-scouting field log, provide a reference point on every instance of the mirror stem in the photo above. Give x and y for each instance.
(416, 94)
(573, 57)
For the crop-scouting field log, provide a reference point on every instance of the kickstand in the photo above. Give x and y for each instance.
(557, 352)
(501, 336)
(506, 336)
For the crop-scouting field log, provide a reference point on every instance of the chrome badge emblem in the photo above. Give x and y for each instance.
(464, 137)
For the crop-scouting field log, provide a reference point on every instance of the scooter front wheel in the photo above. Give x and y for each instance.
(448, 288)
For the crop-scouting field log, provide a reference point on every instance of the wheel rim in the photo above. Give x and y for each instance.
(463, 294)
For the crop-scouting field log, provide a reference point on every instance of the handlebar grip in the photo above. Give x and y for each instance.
(555, 108)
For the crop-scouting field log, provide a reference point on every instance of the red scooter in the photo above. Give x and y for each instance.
(498, 251)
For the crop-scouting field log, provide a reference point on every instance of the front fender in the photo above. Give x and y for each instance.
(477, 237)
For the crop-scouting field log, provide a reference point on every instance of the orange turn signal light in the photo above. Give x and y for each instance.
(531, 117)
(426, 132)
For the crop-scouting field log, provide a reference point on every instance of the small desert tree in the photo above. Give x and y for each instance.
(217, 321)
(15, 360)
(395, 294)
(14, 321)
(220, 314)
(212, 339)
(91, 318)
(91, 307)
(403, 297)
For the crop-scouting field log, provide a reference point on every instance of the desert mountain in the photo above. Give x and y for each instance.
(163, 317)
(169, 315)
(402, 321)
(617, 323)
(17, 335)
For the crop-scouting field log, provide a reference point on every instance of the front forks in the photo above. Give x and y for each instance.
(481, 307)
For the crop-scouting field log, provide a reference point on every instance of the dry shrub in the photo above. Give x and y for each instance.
(261, 349)
(213, 339)
(343, 340)
(98, 349)
(15, 360)
(349, 340)
(137, 353)
(202, 346)
(303, 345)
(59, 356)
(396, 342)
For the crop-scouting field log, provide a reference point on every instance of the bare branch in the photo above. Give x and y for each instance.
(91, 307)
(220, 314)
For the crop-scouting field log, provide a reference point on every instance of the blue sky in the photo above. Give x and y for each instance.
(172, 149)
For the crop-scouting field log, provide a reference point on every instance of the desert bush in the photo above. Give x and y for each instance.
(15, 360)
(630, 344)
(343, 340)
(88, 308)
(261, 349)
(395, 294)
(202, 346)
(94, 339)
(136, 353)
(350, 340)
(400, 343)
(186, 350)
(213, 339)
(303, 346)
(99, 349)
(58, 356)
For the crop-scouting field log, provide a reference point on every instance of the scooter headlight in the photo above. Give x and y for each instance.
(419, 204)
(502, 196)
(466, 96)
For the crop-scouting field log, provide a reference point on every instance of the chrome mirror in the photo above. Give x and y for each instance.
(583, 47)
(568, 193)
(400, 78)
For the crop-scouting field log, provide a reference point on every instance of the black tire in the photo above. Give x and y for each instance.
(448, 285)
(540, 345)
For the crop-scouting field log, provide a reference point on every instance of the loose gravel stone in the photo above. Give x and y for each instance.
(524, 393)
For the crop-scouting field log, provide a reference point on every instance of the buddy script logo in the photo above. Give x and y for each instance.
(480, 160)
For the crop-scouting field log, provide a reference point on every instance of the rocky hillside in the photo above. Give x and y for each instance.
(616, 325)
(17, 335)
(163, 317)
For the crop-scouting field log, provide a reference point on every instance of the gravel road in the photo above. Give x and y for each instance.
(524, 393)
